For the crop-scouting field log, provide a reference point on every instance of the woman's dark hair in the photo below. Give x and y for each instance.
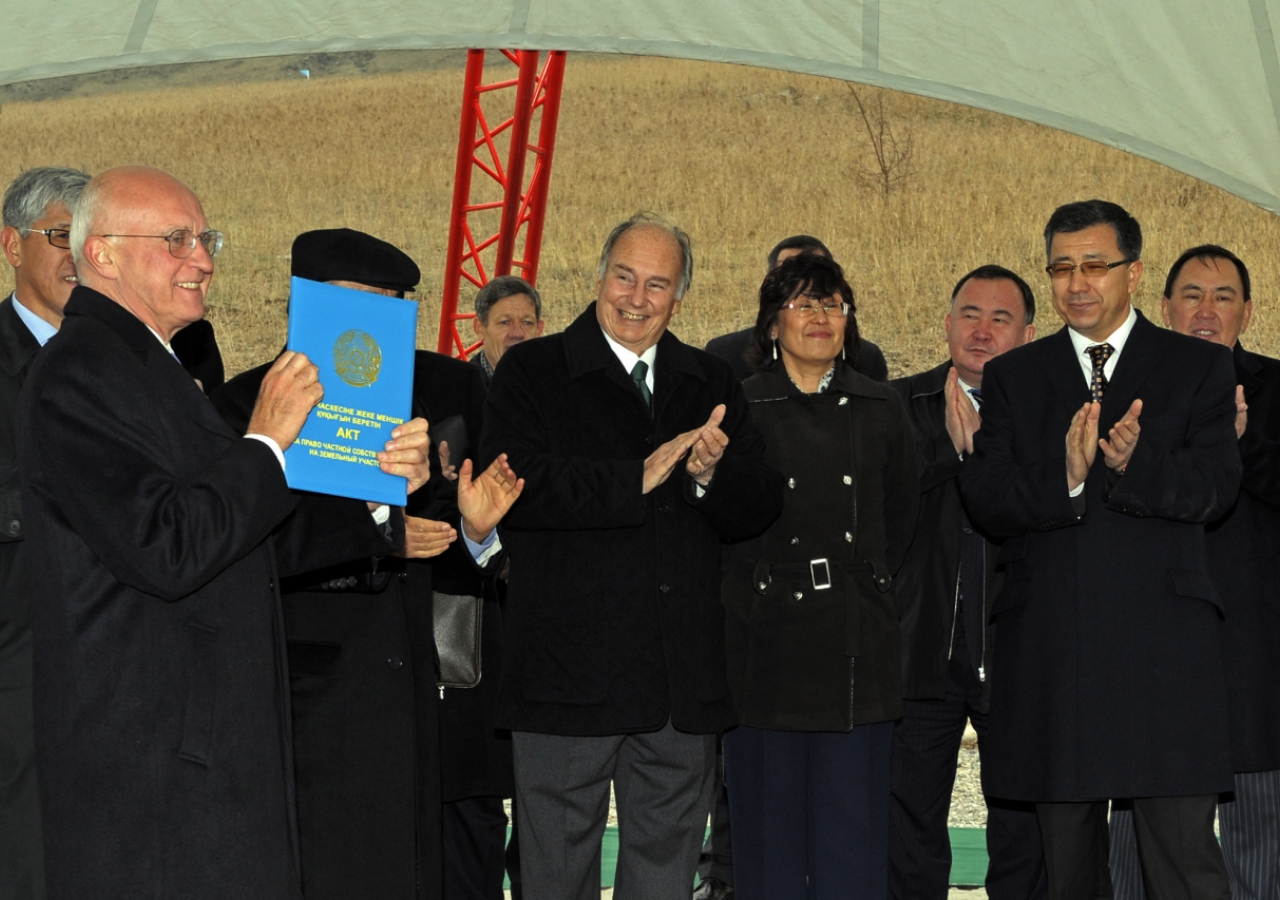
(807, 273)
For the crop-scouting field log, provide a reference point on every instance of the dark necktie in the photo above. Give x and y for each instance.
(638, 374)
(977, 395)
(1099, 353)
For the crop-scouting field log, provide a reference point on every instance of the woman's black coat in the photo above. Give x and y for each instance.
(803, 657)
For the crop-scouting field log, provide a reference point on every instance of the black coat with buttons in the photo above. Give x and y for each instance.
(362, 676)
(1110, 673)
(614, 621)
(812, 625)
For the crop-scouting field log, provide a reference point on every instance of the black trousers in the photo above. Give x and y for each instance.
(476, 851)
(716, 860)
(1180, 856)
(926, 744)
(21, 843)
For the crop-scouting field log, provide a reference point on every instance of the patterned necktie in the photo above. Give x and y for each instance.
(639, 372)
(1099, 353)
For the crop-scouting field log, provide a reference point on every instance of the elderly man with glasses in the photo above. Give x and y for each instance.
(37, 244)
(1104, 450)
(155, 539)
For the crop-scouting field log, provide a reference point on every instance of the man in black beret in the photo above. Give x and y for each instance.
(367, 713)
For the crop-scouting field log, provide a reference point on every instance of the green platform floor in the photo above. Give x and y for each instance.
(968, 856)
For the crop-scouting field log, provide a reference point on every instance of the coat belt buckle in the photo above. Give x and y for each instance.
(820, 572)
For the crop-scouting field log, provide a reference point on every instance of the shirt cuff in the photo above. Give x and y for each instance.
(1079, 489)
(381, 514)
(270, 442)
(485, 551)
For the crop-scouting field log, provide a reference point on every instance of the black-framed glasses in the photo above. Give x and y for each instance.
(58, 237)
(805, 308)
(1094, 268)
(182, 243)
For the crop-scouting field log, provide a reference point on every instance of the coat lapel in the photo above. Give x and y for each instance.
(18, 346)
(1137, 359)
(1063, 370)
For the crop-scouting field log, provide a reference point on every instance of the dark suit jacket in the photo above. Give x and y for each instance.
(21, 862)
(733, 347)
(614, 616)
(367, 719)
(160, 694)
(926, 585)
(1244, 562)
(1110, 669)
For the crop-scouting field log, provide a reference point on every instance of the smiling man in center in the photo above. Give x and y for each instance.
(639, 458)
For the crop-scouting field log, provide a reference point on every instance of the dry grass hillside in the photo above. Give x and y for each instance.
(739, 157)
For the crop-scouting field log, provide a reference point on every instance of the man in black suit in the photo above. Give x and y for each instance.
(733, 347)
(945, 590)
(37, 244)
(1208, 295)
(640, 457)
(161, 707)
(1104, 450)
(362, 657)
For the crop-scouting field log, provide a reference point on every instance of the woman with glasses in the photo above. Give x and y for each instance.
(812, 626)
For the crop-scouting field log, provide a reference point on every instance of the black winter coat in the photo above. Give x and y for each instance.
(804, 657)
(1110, 666)
(1244, 562)
(161, 700)
(614, 621)
(926, 586)
(362, 673)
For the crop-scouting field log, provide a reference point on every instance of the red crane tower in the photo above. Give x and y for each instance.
(523, 202)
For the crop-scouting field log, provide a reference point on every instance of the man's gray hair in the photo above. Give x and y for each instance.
(500, 289)
(648, 218)
(32, 193)
(83, 218)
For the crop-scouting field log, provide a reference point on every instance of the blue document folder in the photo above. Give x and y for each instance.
(363, 344)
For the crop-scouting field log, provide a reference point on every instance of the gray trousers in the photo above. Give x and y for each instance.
(662, 782)
(1250, 828)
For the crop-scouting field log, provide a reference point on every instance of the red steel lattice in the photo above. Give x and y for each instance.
(524, 202)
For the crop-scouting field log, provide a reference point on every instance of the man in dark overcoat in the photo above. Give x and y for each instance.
(1104, 449)
(1208, 295)
(161, 700)
(945, 589)
(639, 458)
(361, 651)
(37, 243)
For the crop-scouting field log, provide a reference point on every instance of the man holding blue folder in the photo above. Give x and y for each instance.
(156, 536)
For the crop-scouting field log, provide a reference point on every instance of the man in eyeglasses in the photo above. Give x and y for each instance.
(1104, 450)
(160, 689)
(37, 244)
(945, 588)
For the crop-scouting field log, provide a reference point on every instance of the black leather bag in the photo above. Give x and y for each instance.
(456, 620)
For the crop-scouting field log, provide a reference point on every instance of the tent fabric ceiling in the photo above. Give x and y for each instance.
(1195, 88)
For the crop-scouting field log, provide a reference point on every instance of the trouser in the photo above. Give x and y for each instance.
(662, 782)
(716, 860)
(475, 849)
(926, 744)
(1179, 854)
(1249, 822)
(809, 812)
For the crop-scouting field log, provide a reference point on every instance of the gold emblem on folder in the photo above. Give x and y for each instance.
(357, 358)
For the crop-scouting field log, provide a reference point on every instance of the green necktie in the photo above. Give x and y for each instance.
(638, 374)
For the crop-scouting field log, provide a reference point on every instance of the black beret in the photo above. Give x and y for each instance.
(343, 254)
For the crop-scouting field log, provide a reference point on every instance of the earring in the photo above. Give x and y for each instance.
(775, 348)
(842, 356)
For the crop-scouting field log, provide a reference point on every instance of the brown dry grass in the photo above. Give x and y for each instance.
(739, 157)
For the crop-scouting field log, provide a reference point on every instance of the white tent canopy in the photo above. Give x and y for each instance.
(1192, 85)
